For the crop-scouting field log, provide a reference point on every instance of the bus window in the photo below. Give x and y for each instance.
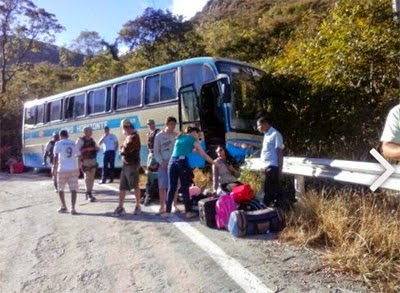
(30, 116)
(96, 102)
(197, 75)
(152, 93)
(53, 111)
(134, 97)
(40, 114)
(108, 99)
(121, 96)
(190, 110)
(79, 105)
(69, 108)
(168, 86)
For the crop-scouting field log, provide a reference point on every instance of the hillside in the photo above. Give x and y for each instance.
(51, 54)
(258, 11)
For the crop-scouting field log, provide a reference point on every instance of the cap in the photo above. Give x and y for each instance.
(88, 128)
(150, 121)
(106, 128)
(126, 123)
(55, 133)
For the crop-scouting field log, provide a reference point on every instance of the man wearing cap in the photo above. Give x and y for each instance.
(88, 149)
(129, 179)
(110, 145)
(49, 153)
(150, 159)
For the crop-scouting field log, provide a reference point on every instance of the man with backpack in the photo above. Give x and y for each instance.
(88, 148)
(49, 153)
(150, 160)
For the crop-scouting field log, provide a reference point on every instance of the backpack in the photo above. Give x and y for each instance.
(150, 138)
(51, 150)
(224, 207)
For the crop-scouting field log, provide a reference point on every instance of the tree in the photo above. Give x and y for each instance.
(24, 28)
(88, 43)
(356, 45)
(161, 37)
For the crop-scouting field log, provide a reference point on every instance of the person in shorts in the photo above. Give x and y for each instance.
(88, 148)
(163, 147)
(66, 169)
(129, 179)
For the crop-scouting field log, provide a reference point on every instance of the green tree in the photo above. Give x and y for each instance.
(357, 45)
(88, 43)
(161, 37)
(23, 25)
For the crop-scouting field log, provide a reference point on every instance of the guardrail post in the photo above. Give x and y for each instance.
(299, 185)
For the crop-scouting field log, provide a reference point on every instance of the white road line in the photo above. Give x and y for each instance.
(242, 276)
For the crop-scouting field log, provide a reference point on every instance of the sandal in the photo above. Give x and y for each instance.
(73, 212)
(62, 210)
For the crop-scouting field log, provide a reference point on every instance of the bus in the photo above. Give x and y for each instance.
(204, 91)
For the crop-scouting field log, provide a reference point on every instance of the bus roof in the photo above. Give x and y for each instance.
(145, 72)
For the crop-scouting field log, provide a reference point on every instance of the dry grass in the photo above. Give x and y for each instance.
(359, 234)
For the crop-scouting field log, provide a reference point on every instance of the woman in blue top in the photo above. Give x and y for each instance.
(178, 167)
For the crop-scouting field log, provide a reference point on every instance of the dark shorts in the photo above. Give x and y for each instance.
(129, 177)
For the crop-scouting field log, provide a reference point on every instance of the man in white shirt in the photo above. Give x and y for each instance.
(110, 146)
(272, 156)
(66, 169)
(163, 148)
(391, 135)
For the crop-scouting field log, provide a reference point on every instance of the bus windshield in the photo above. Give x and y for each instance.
(243, 101)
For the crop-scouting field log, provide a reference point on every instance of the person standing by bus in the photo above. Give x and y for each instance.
(66, 169)
(49, 153)
(88, 149)
(272, 156)
(150, 147)
(163, 147)
(178, 168)
(129, 179)
(110, 146)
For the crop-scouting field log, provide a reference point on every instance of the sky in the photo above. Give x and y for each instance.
(108, 16)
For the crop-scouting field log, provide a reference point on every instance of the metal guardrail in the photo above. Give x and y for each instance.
(355, 172)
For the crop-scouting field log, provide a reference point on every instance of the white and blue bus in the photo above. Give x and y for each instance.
(208, 92)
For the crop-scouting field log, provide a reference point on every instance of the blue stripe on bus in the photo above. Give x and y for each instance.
(112, 124)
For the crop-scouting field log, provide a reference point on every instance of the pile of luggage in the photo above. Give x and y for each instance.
(240, 213)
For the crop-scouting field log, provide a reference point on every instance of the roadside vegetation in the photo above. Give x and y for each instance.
(355, 231)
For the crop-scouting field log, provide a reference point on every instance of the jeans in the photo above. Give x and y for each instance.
(108, 165)
(179, 169)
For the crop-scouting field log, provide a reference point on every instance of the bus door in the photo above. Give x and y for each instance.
(206, 111)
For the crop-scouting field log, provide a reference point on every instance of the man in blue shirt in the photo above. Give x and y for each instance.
(110, 146)
(272, 156)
